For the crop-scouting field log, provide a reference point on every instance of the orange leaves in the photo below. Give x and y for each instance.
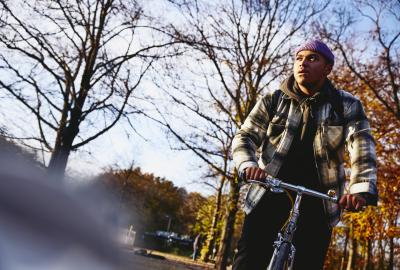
(152, 201)
(393, 232)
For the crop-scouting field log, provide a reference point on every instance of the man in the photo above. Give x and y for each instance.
(300, 133)
(196, 243)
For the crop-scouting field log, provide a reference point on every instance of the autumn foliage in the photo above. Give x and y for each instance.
(370, 239)
(154, 203)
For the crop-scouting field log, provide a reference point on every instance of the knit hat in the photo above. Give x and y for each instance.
(319, 47)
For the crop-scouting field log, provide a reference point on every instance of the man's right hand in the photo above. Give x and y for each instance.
(255, 173)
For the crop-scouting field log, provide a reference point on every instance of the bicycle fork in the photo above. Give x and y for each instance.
(284, 251)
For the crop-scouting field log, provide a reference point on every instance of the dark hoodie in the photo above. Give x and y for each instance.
(299, 166)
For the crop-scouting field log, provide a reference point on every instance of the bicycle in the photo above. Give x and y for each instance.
(284, 252)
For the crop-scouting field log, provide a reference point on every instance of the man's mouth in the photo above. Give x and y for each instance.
(303, 73)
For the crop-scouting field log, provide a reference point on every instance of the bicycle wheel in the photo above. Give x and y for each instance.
(280, 262)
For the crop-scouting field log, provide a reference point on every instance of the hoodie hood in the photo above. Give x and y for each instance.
(290, 87)
(307, 103)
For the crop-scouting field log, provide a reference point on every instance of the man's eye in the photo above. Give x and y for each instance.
(312, 58)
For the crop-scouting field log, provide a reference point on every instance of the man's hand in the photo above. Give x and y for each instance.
(352, 202)
(255, 173)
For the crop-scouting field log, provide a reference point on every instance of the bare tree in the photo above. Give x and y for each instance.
(374, 50)
(367, 36)
(236, 50)
(74, 66)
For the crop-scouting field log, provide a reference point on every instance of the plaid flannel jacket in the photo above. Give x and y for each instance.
(271, 137)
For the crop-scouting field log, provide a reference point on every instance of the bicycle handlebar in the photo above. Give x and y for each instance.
(271, 182)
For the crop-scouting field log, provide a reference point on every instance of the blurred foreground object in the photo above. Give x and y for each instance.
(44, 226)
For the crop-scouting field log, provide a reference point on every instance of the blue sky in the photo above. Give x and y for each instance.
(152, 155)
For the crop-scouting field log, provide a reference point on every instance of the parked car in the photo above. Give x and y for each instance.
(163, 240)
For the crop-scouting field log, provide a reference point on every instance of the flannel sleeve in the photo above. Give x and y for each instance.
(251, 135)
(361, 146)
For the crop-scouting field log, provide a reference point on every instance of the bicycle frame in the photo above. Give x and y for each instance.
(284, 251)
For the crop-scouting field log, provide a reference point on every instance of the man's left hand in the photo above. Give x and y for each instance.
(352, 202)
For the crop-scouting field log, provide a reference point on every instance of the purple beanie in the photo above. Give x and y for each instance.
(319, 47)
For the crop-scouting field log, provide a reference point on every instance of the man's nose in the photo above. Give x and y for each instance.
(303, 62)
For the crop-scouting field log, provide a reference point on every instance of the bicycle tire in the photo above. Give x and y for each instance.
(282, 256)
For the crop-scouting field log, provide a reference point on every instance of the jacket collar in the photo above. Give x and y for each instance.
(292, 91)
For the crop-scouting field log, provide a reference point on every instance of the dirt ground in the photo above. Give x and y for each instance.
(162, 261)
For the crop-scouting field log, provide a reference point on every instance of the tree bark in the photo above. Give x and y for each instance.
(352, 255)
(229, 226)
(345, 249)
(391, 253)
(62, 149)
(212, 234)
(367, 257)
(382, 254)
(58, 161)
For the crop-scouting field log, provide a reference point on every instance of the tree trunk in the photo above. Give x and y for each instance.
(391, 253)
(345, 249)
(352, 255)
(382, 254)
(212, 234)
(363, 256)
(367, 257)
(62, 149)
(58, 161)
(229, 226)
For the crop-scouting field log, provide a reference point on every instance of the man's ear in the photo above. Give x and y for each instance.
(328, 69)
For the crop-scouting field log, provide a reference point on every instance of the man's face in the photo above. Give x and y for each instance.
(310, 69)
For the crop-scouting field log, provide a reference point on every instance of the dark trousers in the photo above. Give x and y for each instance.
(261, 226)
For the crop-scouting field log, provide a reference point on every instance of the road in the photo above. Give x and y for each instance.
(155, 260)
